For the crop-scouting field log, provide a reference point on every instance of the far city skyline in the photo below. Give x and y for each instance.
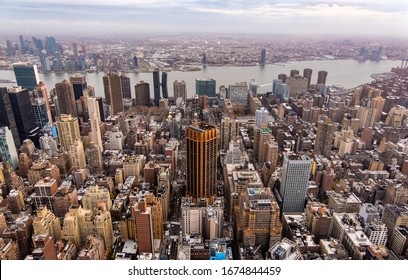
(362, 17)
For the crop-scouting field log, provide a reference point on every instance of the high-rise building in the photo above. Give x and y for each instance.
(142, 93)
(180, 90)
(94, 196)
(294, 73)
(40, 112)
(7, 116)
(76, 151)
(205, 87)
(79, 223)
(23, 114)
(113, 92)
(45, 222)
(280, 90)
(253, 86)
(52, 45)
(79, 84)
(126, 91)
(322, 77)
(15, 201)
(94, 159)
(48, 145)
(378, 103)
(142, 215)
(43, 247)
(258, 220)
(324, 137)
(93, 109)
(297, 84)
(40, 91)
(261, 116)
(263, 57)
(202, 220)
(307, 73)
(68, 130)
(238, 93)
(66, 98)
(8, 151)
(156, 87)
(26, 75)
(202, 151)
(294, 182)
(164, 85)
(44, 191)
(228, 131)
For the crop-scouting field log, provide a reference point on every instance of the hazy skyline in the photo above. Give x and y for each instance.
(155, 16)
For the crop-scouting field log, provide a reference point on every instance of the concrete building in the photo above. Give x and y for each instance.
(49, 145)
(258, 220)
(66, 98)
(113, 92)
(297, 84)
(68, 130)
(347, 228)
(261, 117)
(142, 91)
(238, 93)
(80, 223)
(324, 137)
(44, 191)
(228, 131)
(77, 154)
(95, 196)
(179, 90)
(294, 182)
(343, 202)
(45, 222)
(94, 159)
(202, 220)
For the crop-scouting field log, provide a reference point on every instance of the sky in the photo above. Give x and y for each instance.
(369, 17)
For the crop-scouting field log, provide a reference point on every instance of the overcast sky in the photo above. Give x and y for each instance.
(369, 17)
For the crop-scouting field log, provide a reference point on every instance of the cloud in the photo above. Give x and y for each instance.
(362, 16)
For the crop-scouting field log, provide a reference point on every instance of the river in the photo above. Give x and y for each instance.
(346, 73)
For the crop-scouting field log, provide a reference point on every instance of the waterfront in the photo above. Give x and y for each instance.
(346, 73)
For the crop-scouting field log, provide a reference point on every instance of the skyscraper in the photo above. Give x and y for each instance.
(324, 137)
(202, 151)
(7, 116)
(41, 91)
(52, 45)
(142, 93)
(322, 77)
(94, 159)
(205, 87)
(263, 57)
(23, 114)
(294, 73)
(294, 182)
(126, 86)
(66, 98)
(307, 73)
(156, 87)
(164, 85)
(179, 90)
(228, 131)
(8, 151)
(79, 84)
(77, 153)
(68, 130)
(26, 75)
(40, 112)
(113, 92)
(261, 116)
